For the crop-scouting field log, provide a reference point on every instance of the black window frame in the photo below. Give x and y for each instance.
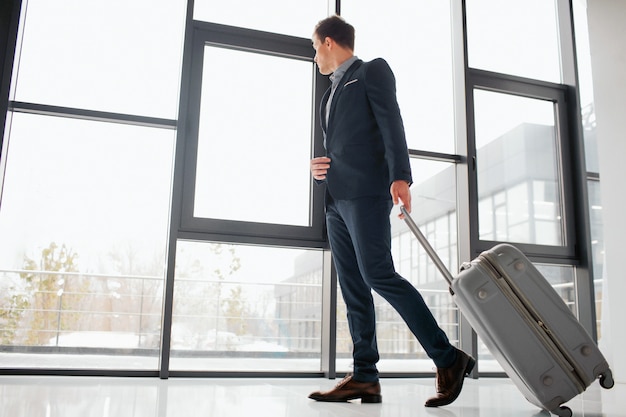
(272, 44)
(540, 90)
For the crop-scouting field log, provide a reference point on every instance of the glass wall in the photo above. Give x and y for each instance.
(588, 117)
(241, 141)
(92, 202)
(83, 225)
(517, 38)
(95, 57)
(87, 158)
(242, 307)
(277, 16)
(597, 247)
(518, 167)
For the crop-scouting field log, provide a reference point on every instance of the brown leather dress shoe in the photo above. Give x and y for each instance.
(450, 380)
(349, 389)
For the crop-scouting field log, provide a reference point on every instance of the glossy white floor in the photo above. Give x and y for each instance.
(36, 396)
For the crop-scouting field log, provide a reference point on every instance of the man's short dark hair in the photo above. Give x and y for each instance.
(337, 29)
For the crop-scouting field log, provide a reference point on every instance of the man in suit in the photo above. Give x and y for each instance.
(366, 171)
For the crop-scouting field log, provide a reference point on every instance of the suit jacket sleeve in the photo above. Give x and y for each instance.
(381, 92)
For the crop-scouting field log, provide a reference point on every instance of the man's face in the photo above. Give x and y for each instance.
(322, 58)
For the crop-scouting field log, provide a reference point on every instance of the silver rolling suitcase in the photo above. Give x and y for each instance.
(525, 325)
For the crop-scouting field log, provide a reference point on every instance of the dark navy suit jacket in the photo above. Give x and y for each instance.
(365, 137)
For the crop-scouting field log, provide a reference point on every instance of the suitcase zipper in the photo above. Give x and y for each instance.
(521, 303)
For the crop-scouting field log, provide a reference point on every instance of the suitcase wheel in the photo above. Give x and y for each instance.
(563, 411)
(606, 379)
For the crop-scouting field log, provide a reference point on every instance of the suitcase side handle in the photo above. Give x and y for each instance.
(427, 246)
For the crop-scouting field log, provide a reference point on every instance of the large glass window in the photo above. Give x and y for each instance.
(583, 56)
(597, 248)
(249, 140)
(115, 56)
(417, 44)
(585, 84)
(519, 189)
(239, 307)
(277, 16)
(254, 138)
(513, 37)
(85, 204)
(83, 227)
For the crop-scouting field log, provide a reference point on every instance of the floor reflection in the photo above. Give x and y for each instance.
(49, 396)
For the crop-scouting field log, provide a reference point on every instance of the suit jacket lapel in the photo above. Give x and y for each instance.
(339, 90)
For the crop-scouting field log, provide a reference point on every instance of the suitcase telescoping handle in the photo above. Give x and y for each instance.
(426, 245)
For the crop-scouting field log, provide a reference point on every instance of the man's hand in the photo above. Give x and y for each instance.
(400, 192)
(319, 167)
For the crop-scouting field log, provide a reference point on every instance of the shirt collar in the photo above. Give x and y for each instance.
(336, 76)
